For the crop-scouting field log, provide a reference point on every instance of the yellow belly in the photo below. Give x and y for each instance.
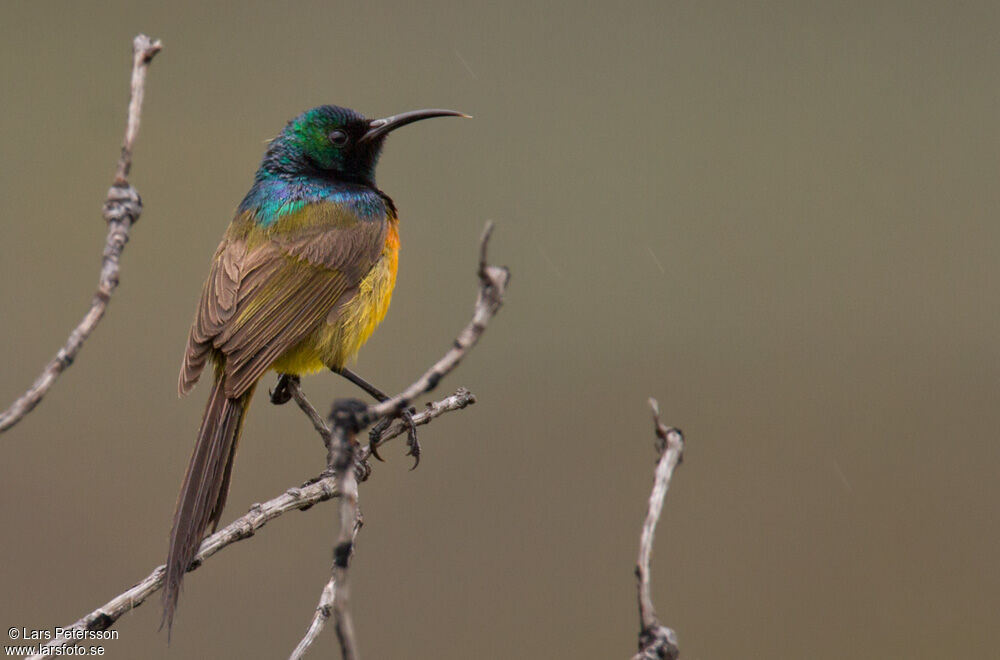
(334, 343)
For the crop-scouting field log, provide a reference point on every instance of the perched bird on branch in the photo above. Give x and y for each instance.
(301, 279)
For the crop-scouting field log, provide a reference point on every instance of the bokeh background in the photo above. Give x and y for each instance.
(778, 218)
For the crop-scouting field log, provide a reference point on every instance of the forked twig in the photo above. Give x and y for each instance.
(335, 594)
(655, 639)
(349, 420)
(121, 210)
(321, 489)
(330, 484)
(493, 282)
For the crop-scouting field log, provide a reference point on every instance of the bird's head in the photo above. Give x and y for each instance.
(336, 143)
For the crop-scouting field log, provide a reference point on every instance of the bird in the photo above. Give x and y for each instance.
(303, 275)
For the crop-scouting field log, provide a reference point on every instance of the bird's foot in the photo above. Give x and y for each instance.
(282, 393)
(375, 436)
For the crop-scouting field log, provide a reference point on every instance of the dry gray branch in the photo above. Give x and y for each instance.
(655, 639)
(350, 523)
(329, 603)
(295, 389)
(300, 498)
(121, 210)
(244, 527)
(493, 282)
(460, 399)
(335, 594)
(492, 287)
(350, 419)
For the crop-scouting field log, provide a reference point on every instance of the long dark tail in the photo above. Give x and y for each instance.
(206, 484)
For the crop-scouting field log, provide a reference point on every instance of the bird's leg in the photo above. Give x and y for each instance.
(281, 393)
(376, 432)
(375, 392)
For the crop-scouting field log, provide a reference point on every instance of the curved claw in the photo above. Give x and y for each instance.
(373, 437)
(411, 439)
(373, 450)
(281, 394)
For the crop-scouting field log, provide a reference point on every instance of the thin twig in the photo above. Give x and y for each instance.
(655, 639)
(492, 287)
(493, 282)
(460, 399)
(301, 498)
(335, 594)
(244, 527)
(121, 210)
(328, 603)
(295, 389)
(350, 523)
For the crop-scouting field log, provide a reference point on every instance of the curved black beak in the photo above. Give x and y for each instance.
(380, 127)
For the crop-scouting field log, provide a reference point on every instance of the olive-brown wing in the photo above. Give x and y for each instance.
(261, 300)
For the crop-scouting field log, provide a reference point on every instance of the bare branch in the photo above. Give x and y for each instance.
(333, 598)
(329, 604)
(492, 287)
(493, 281)
(295, 389)
(460, 399)
(244, 527)
(350, 523)
(320, 617)
(655, 639)
(319, 490)
(121, 210)
(335, 594)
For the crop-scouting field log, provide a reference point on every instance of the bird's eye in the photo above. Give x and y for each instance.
(338, 138)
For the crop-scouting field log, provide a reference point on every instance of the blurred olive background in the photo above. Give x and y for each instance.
(777, 218)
